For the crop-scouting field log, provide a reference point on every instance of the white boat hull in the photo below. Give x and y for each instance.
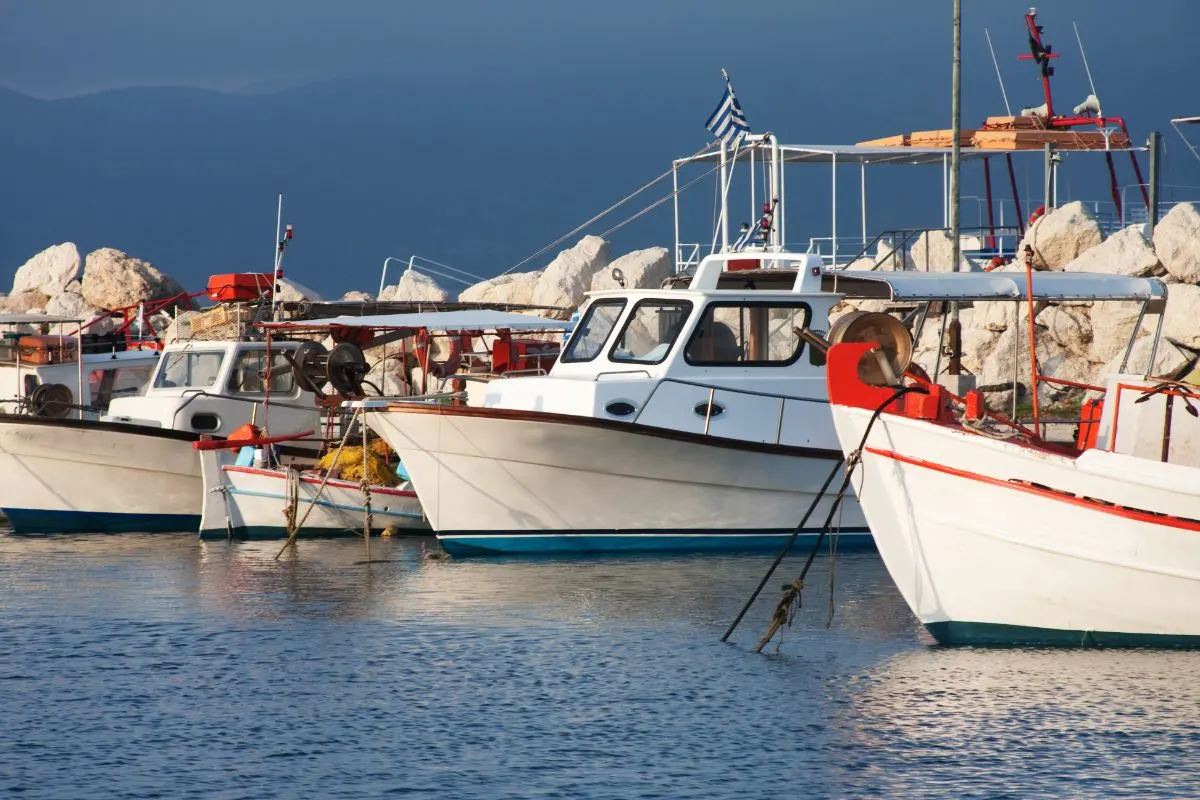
(994, 542)
(493, 480)
(250, 503)
(66, 476)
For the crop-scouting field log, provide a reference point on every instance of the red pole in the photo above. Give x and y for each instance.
(987, 182)
(1012, 179)
(1033, 366)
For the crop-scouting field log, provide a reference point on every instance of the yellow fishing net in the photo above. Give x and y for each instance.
(350, 466)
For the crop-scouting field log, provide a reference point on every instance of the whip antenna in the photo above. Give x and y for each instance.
(999, 77)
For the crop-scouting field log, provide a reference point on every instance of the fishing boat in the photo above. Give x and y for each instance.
(996, 535)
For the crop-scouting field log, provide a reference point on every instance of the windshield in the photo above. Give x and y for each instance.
(189, 370)
(651, 330)
(592, 331)
(748, 334)
(250, 369)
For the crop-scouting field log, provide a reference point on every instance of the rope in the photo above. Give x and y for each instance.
(291, 495)
(789, 604)
(321, 489)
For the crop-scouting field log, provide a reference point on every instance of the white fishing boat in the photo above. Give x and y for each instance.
(996, 536)
(270, 501)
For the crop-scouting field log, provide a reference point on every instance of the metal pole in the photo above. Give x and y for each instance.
(278, 233)
(383, 275)
(724, 201)
(1154, 144)
(863, 192)
(833, 173)
(675, 202)
(954, 367)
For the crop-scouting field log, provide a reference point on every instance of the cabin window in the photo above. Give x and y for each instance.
(751, 334)
(189, 369)
(107, 384)
(652, 327)
(249, 373)
(593, 330)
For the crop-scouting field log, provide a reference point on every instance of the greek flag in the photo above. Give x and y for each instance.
(728, 123)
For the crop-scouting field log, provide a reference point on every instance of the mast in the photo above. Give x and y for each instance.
(955, 330)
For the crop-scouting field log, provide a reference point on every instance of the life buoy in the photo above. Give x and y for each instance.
(440, 368)
(1037, 214)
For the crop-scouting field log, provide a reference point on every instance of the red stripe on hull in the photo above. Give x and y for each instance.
(267, 473)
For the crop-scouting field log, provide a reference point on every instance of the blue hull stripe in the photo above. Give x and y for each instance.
(474, 543)
(43, 521)
(304, 503)
(267, 532)
(990, 634)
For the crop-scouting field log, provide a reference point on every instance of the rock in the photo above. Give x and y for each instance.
(1060, 236)
(357, 297)
(515, 288)
(887, 257)
(1181, 321)
(642, 269)
(72, 305)
(180, 327)
(113, 279)
(933, 252)
(1177, 242)
(413, 286)
(1069, 326)
(289, 291)
(1112, 327)
(49, 271)
(1009, 359)
(1126, 252)
(1170, 361)
(388, 375)
(569, 276)
(25, 302)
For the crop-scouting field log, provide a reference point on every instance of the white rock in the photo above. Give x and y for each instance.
(289, 291)
(515, 288)
(414, 286)
(1177, 242)
(569, 276)
(1181, 322)
(357, 297)
(1060, 236)
(1112, 327)
(72, 304)
(1126, 252)
(642, 269)
(1069, 326)
(1170, 361)
(49, 271)
(25, 302)
(934, 252)
(388, 375)
(113, 279)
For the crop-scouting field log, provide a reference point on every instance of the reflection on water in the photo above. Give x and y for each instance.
(132, 665)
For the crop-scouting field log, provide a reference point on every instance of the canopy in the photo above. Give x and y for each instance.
(857, 154)
(34, 319)
(966, 286)
(470, 320)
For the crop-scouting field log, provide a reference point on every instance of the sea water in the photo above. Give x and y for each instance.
(160, 666)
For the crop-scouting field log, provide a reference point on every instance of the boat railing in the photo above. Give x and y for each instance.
(714, 393)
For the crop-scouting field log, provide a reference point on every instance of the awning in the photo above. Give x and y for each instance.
(472, 320)
(857, 154)
(36, 319)
(967, 286)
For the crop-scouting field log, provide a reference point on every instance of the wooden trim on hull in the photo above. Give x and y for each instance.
(613, 425)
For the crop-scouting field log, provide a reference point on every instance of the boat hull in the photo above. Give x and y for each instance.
(502, 481)
(998, 543)
(67, 476)
(249, 503)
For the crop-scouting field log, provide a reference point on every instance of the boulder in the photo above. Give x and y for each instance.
(357, 297)
(515, 288)
(113, 279)
(569, 276)
(25, 302)
(1112, 327)
(1009, 359)
(414, 286)
(1170, 361)
(72, 304)
(388, 375)
(1177, 242)
(1181, 321)
(50, 271)
(642, 269)
(1126, 252)
(291, 292)
(934, 251)
(1069, 326)
(1060, 236)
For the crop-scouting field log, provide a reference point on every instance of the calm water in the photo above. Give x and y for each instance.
(164, 667)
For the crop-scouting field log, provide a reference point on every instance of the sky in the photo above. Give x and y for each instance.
(610, 92)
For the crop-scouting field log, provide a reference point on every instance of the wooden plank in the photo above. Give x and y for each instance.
(888, 141)
(1036, 140)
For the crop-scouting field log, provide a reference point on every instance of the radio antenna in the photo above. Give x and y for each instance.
(1086, 68)
(996, 64)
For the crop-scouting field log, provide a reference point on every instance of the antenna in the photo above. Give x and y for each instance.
(996, 64)
(1087, 69)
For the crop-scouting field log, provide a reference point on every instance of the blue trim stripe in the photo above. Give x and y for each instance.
(463, 543)
(991, 634)
(34, 521)
(328, 504)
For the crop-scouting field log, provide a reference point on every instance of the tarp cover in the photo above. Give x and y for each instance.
(33, 319)
(471, 320)
(916, 286)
